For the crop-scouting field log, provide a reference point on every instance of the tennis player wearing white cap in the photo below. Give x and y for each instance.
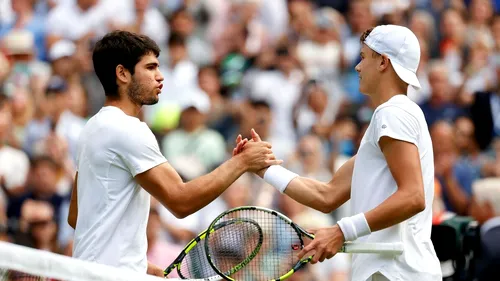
(391, 179)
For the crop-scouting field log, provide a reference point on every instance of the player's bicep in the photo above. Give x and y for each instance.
(163, 183)
(403, 160)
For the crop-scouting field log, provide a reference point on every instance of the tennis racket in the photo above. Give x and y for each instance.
(277, 258)
(192, 262)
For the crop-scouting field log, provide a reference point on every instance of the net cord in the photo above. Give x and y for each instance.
(47, 264)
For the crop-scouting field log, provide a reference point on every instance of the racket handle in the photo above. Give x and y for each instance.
(372, 248)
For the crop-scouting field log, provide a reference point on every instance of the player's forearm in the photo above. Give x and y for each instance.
(201, 191)
(324, 197)
(315, 194)
(399, 207)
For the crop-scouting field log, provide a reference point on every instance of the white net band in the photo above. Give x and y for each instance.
(42, 265)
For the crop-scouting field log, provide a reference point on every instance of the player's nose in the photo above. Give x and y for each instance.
(159, 76)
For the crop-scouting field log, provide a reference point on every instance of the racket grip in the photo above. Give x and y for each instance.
(372, 248)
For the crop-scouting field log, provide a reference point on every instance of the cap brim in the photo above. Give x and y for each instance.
(406, 75)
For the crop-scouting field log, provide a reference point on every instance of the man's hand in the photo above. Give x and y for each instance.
(240, 144)
(155, 270)
(327, 242)
(257, 156)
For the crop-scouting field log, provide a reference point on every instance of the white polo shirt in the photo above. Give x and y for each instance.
(372, 183)
(113, 209)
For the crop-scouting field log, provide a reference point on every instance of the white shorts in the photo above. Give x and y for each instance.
(377, 277)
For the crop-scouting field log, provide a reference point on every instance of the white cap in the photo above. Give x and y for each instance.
(197, 99)
(19, 42)
(401, 46)
(62, 48)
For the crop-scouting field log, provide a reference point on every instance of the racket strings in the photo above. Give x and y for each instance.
(195, 264)
(276, 256)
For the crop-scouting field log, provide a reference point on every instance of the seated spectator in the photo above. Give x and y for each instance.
(454, 177)
(193, 139)
(480, 164)
(14, 163)
(41, 187)
(59, 119)
(440, 105)
(27, 19)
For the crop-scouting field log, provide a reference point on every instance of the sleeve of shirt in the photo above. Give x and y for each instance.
(139, 150)
(396, 123)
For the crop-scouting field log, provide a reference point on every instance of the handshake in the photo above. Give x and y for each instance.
(255, 155)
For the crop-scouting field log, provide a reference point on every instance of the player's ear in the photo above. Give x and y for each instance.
(384, 63)
(122, 74)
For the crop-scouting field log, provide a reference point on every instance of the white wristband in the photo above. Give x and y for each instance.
(354, 227)
(279, 177)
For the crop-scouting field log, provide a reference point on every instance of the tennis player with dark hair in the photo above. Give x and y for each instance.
(391, 179)
(119, 162)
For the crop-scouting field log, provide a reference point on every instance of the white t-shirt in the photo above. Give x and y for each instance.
(113, 209)
(372, 183)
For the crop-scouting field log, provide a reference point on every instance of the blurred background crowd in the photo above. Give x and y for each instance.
(283, 67)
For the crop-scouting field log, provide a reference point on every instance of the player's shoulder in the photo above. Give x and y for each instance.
(117, 123)
(400, 106)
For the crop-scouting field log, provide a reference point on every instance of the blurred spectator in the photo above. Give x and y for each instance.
(199, 50)
(316, 111)
(59, 119)
(39, 219)
(455, 177)
(27, 19)
(480, 164)
(281, 89)
(41, 187)
(14, 164)
(146, 19)
(453, 39)
(193, 140)
(84, 20)
(485, 114)
(19, 47)
(309, 159)
(440, 105)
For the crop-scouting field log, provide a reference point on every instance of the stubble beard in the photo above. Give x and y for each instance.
(138, 94)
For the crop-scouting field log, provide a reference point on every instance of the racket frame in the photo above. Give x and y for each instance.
(176, 264)
(348, 247)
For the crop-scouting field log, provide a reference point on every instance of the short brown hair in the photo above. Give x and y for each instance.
(363, 38)
(365, 34)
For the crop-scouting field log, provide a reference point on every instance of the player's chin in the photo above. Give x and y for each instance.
(151, 100)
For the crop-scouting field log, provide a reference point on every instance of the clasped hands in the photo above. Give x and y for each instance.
(327, 241)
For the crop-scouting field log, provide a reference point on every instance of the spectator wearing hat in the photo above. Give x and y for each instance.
(19, 48)
(26, 19)
(193, 139)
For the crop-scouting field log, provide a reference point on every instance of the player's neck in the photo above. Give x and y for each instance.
(385, 90)
(127, 106)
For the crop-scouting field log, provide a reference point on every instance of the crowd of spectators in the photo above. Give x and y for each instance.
(282, 67)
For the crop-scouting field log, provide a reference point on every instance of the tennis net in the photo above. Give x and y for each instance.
(19, 263)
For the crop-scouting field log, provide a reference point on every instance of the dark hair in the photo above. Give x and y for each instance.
(176, 39)
(363, 38)
(365, 34)
(44, 159)
(120, 48)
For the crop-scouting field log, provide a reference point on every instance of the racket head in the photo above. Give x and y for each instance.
(277, 257)
(191, 262)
